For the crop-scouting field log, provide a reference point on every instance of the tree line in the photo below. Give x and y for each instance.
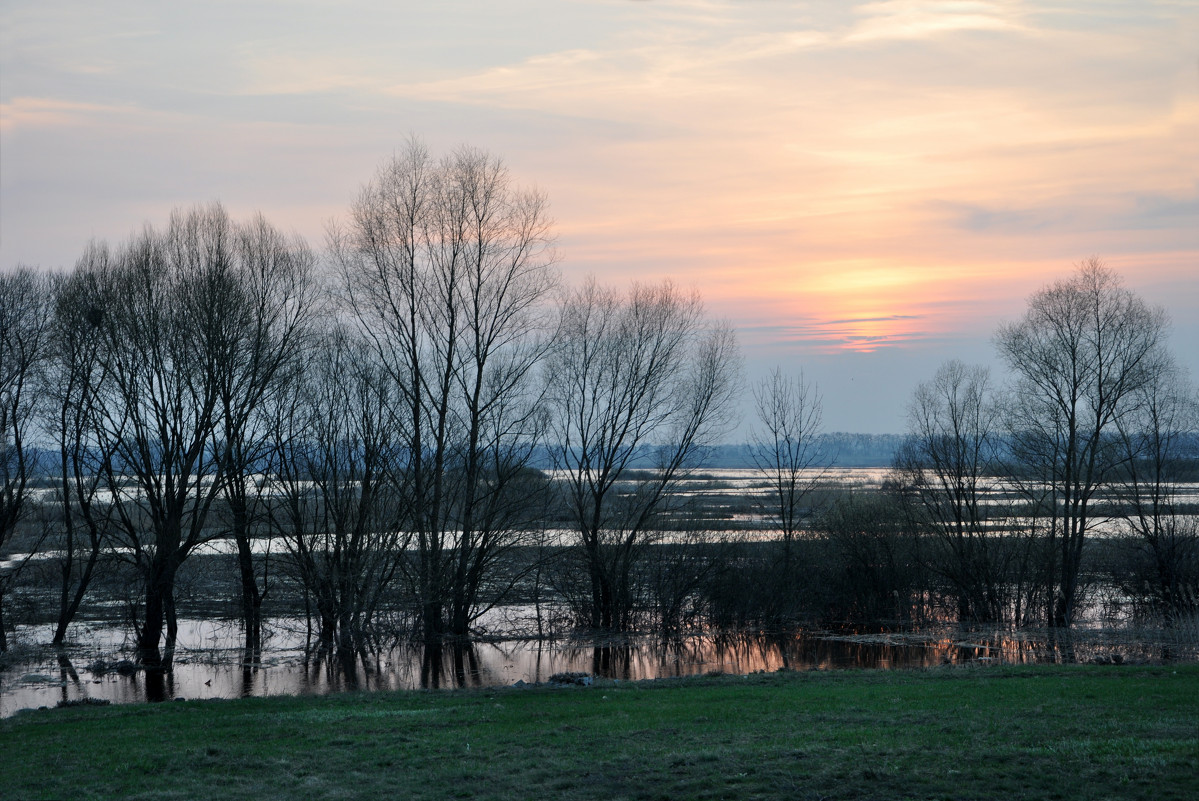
(1005, 504)
(383, 410)
(377, 413)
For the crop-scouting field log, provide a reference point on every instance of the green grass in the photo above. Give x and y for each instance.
(1038, 732)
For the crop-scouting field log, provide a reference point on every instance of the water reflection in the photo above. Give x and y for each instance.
(212, 662)
(67, 675)
(251, 663)
(159, 684)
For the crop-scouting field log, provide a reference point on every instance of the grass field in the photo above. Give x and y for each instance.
(995, 732)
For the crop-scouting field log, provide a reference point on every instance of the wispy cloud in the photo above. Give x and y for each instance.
(923, 19)
(32, 113)
(889, 318)
(848, 176)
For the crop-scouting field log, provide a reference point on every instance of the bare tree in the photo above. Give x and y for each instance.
(446, 266)
(163, 336)
(76, 375)
(1161, 451)
(334, 503)
(24, 331)
(267, 299)
(641, 380)
(786, 448)
(948, 468)
(1082, 354)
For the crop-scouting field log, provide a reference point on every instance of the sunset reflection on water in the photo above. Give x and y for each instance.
(211, 666)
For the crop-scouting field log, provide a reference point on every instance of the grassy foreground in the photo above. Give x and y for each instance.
(997, 732)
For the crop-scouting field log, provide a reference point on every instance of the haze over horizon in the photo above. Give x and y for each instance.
(863, 190)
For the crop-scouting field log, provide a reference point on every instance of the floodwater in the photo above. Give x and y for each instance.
(210, 664)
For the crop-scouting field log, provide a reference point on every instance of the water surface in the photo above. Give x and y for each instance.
(210, 663)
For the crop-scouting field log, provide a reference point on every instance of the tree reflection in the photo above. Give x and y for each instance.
(160, 684)
(612, 661)
(67, 675)
(457, 661)
(251, 662)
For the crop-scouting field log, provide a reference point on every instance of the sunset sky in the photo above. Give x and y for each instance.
(863, 190)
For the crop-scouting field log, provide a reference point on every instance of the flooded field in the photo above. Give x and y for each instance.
(210, 663)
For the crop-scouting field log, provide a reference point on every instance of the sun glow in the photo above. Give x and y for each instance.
(886, 177)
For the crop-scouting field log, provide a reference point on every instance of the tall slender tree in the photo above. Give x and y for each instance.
(446, 266)
(267, 302)
(1082, 354)
(642, 380)
(787, 449)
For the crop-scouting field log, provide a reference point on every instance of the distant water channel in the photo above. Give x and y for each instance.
(210, 664)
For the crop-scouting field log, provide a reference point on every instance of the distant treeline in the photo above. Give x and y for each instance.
(840, 448)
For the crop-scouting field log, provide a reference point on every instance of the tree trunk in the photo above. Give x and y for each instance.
(152, 626)
(68, 610)
(431, 627)
(251, 596)
(160, 586)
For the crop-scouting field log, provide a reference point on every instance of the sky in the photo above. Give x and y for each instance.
(862, 190)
